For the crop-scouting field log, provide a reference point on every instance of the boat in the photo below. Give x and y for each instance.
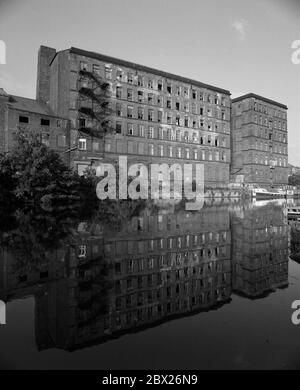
(293, 212)
(263, 193)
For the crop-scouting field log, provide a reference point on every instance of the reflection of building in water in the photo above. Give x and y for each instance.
(161, 266)
(21, 276)
(259, 250)
(158, 267)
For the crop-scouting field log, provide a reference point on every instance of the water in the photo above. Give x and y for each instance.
(143, 287)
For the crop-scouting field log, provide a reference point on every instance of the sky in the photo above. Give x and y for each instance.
(240, 45)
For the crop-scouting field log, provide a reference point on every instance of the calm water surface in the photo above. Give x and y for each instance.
(145, 287)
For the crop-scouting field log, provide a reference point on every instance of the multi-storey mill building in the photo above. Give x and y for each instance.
(259, 144)
(157, 116)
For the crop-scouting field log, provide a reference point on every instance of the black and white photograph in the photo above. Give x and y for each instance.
(149, 188)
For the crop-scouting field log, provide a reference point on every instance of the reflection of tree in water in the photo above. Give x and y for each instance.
(114, 214)
(295, 243)
(32, 234)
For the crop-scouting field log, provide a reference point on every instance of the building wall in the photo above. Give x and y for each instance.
(53, 133)
(206, 139)
(45, 56)
(259, 142)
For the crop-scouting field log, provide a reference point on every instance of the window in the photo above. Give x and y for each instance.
(45, 122)
(118, 127)
(129, 94)
(208, 98)
(177, 106)
(216, 100)
(169, 88)
(150, 84)
(177, 120)
(179, 152)
(169, 118)
(96, 69)
(169, 104)
(151, 149)
(96, 146)
(194, 94)
(140, 97)
(83, 65)
(140, 81)
(150, 98)
(150, 132)
(161, 150)
(23, 119)
(195, 154)
(119, 92)
(129, 111)
(61, 140)
(119, 75)
(187, 153)
(129, 128)
(223, 115)
(108, 72)
(141, 130)
(130, 78)
(119, 109)
(140, 113)
(150, 115)
(170, 151)
(82, 144)
(159, 116)
(186, 121)
(45, 138)
(159, 85)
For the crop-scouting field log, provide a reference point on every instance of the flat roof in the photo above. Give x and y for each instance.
(143, 68)
(253, 95)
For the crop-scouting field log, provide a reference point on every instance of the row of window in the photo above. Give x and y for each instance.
(274, 161)
(60, 139)
(157, 115)
(174, 135)
(269, 111)
(153, 99)
(158, 150)
(171, 134)
(149, 297)
(275, 136)
(23, 119)
(271, 148)
(271, 124)
(159, 85)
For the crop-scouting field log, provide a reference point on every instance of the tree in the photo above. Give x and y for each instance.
(35, 170)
